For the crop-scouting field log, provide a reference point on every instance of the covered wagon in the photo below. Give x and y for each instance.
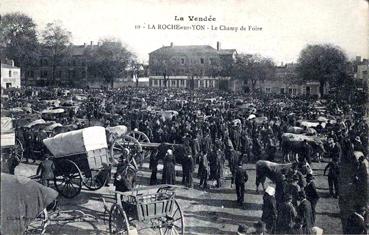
(80, 157)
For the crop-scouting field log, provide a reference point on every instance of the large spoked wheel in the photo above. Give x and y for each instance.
(142, 139)
(139, 136)
(118, 221)
(68, 178)
(174, 222)
(116, 149)
(18, 150)
(97, 180)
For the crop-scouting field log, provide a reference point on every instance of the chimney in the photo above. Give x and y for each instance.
(12, 63)
(84, 44)
(171, 44)
(91, 43)
(218, 46)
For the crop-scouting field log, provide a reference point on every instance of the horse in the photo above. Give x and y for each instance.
(267, 169)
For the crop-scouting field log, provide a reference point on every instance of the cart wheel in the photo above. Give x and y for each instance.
(118, 221)
(142, 139)
(174, 222)
(68, 178)
(18, 150)
(120, 143)
(96, 181)
(139, 136)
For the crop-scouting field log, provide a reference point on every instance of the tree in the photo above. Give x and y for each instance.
(110, 60)
(55, 44)
(323, 63)
(18, 38)
(252, 68)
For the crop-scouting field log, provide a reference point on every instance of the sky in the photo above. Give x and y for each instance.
(287, 26)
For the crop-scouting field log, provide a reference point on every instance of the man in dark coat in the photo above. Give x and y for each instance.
(217, 167)
(286, 216)
(188, 170)
(280, 187)
(154, 167)
(240, 180)
(269, 215)
(204, 170)
(305, 213)
(333, 174)
(46, 169)
(356, 222)
(334, 150)
(311, 193)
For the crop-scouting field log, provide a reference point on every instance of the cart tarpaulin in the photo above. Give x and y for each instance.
(53, 111)
(77, 142)
(301, 137)
(22, 200)
(36, 122)
(6, 124)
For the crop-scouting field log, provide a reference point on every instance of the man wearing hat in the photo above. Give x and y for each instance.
(269, 215)
(333, 173)
(240, 180)
(242, 229)
(311, 193)
(286, 216)
(334, 150)
(293, 188)
(305, 213)
(356, 222)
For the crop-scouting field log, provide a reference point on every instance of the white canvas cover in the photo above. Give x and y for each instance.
(7, 139)
(300, 137)
(6, 124)
(52, 111)
(36, 122)
(77, 142)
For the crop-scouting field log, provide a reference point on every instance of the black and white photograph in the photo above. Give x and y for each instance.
(195, 117)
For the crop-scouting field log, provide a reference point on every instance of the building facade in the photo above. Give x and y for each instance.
(70, 71)
(285, 82)
(10, 75)
(196, 66)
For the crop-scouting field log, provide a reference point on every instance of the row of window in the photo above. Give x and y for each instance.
(291, 91)
(200, 83)
(45, 62)
(184, 61)
(58, 74)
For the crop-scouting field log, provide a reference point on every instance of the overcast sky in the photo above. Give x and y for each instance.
(287, 25)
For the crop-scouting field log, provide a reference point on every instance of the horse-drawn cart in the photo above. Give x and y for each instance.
(80, 157)
(160, 209)
(11, 147)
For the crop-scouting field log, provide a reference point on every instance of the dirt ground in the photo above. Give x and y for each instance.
(212, 211)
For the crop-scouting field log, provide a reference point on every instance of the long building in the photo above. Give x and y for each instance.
(194, 66)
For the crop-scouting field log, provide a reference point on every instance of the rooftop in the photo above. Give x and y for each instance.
(8, 66)
(198, 49)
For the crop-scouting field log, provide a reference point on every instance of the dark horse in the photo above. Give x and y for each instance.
(293, 147)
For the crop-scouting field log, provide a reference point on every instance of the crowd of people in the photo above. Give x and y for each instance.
(216, 130)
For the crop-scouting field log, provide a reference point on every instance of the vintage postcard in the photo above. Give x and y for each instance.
(184, 116)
